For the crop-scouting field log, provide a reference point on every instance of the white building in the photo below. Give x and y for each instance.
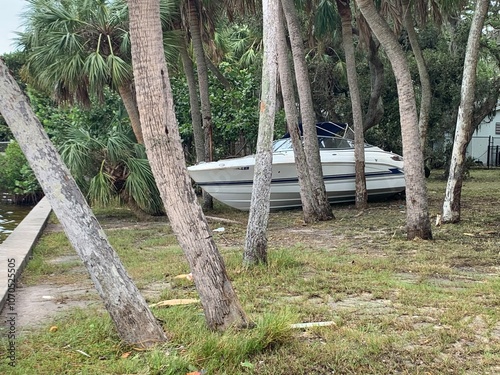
(484, 146)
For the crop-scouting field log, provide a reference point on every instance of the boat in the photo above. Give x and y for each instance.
(230, 180)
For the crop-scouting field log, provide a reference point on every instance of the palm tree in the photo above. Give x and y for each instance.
(194, 13)
(199, 18)
(344, 9)
(107, 163)
(417, 215)
(134, 321)
(463, 132)
(311, 147)
(161, 135)
(289, 103)
(75, 49)
(256, 239)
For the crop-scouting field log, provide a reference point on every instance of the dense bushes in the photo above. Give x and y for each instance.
(16, 177)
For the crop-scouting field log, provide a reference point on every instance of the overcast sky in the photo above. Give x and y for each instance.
(9, 23)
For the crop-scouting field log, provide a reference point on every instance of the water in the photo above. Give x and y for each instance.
(10, 216)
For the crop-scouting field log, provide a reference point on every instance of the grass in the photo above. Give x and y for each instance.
(407, 307)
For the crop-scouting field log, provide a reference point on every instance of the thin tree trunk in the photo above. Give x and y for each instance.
(286, 80)
(129, 101)
(375, 109)
(451, 205)
(417, 215)
(201, 66)
(311, 146)
(163, 145)
(344, 9)
(256, 241)
(199, 137)
(425, 84)
(130, 313)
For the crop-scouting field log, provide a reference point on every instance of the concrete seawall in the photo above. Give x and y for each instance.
(16, 250)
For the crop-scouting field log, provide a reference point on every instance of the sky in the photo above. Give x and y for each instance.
(10, 22)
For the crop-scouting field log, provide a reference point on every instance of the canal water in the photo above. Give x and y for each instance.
(10, 216)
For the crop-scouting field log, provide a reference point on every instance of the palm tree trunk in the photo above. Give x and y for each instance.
(425, 84)
(199, 137)
(130, 313)
(375, 110)
(417, 215)
(311, 146)
(451, 205)
(163, 145)
(201, 65)
(344, 9)
(129, 101)
(256, 240)
(286, 80)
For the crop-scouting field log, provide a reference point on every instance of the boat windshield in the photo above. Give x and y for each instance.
(338, 138)
(326, 143)
(282, 144)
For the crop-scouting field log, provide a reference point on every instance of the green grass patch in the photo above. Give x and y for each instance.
(409, 307)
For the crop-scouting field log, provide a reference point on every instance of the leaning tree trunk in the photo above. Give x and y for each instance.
(256, 240)
(286, 80)
(199, 137)
(311, 146)
(163, 145)
(344, 9)
(425, 84)
(417, 215)
(127, 94)
(201, 66)
(451, 205)
(129, 311)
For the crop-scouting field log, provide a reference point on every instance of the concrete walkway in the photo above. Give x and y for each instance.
(16, 250)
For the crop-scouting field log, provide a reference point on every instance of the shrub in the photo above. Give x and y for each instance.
(16, 176)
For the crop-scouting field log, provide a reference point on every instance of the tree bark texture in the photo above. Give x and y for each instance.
(451, 205)
(425, 84)
(130, 313)
(417, 215)
(288, 92)
(194, 104)
(163, 146)
(311, 146)
(256, 241)
(128, 97)
(361, 198)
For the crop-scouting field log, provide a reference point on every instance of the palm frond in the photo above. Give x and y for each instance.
(326, 19)
(140, 151)
(141, 185)
(97, 69)
(101, 188)
(119, 70)
(119, 146)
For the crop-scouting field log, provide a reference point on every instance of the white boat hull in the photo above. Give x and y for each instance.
(230, 181)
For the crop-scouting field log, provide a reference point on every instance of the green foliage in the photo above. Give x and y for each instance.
(76, 49)
(235, 112)
(5, 133)
(16, 176)
(99, 148)
(14, 62)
